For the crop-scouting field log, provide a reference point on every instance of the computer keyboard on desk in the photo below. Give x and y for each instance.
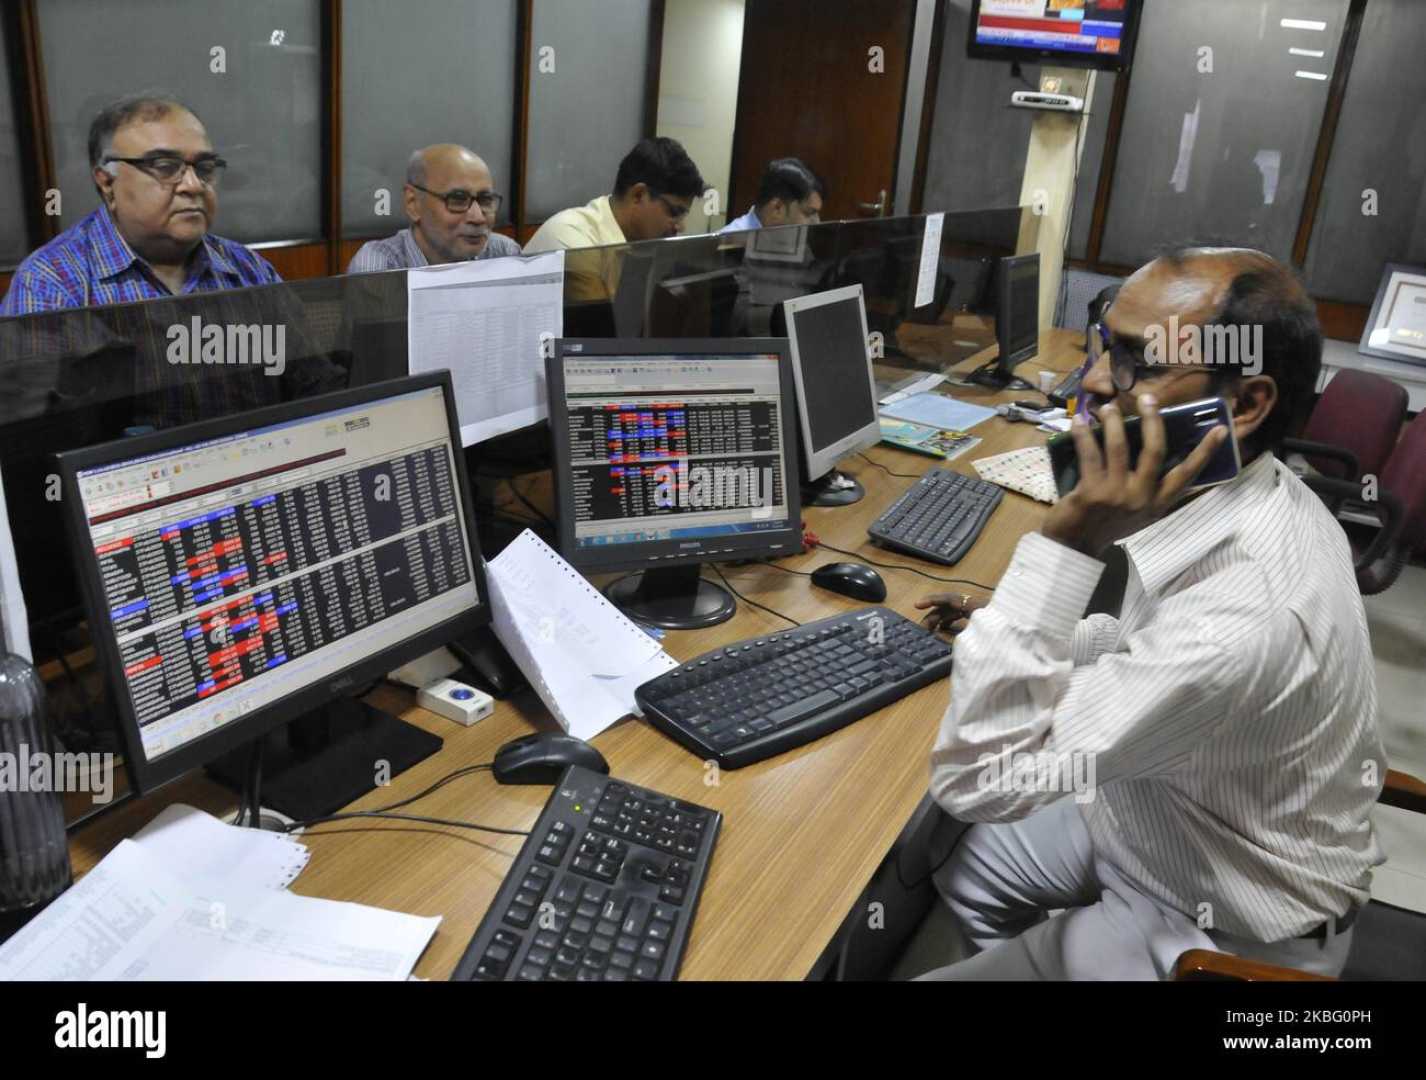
(603, 890)
(940, 517)
(767, 695)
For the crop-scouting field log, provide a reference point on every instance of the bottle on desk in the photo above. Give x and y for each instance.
(34, 853)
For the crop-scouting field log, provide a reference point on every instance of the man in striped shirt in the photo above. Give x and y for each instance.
(157, 177)
(1194, 764)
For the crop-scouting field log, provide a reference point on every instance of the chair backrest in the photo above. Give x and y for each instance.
(1404, 475)
(1360, 412)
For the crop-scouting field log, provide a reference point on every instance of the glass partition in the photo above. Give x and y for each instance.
(79, 377)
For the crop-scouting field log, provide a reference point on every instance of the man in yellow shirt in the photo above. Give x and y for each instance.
(653, 192)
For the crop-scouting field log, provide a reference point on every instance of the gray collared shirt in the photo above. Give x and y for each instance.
(401, 252)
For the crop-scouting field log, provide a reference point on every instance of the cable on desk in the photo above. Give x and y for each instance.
(910, 569)
(385, 811)
(754, 603)
(401, 817)
(883, 468)
(784, 569)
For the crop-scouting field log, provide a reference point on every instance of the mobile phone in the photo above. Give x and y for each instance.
(1184, 428)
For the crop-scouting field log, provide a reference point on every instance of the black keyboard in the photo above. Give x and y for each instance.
(764, 696)
(940, 518)
(604, 889)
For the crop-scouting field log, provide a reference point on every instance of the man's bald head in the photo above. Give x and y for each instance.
(432, 175)
(1239, 288)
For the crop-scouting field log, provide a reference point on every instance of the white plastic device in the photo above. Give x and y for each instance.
(1036, 99)
(456, 701)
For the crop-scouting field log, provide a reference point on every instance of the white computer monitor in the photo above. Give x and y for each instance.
(836, 387)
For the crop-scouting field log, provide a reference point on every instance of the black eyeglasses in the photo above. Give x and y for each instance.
(1126, 362)
(167, 168)
(678, 213)
(458, 201)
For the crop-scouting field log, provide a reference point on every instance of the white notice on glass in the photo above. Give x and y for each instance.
(484, 321)
(930, 259)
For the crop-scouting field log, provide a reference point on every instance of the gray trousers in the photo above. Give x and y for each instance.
(1003, 880)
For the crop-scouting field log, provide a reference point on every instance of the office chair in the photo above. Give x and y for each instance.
(1389, 942)
(1354, 426)
(1399, 507)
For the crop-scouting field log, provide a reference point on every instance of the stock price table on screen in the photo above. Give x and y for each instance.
(203, 603)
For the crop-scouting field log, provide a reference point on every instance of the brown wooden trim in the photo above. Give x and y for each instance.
(1404, 791)
(1336, 94)
(653, 69)
(37, 121)
(332, 133)
(928, 109)
(1204, 965)
(525, 44)
(1345, 322)
(298, 262)
(1107, 162)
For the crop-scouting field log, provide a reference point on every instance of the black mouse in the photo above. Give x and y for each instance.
(851, 579)
(541, 759)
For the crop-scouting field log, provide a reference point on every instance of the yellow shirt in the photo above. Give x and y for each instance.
(591, 276)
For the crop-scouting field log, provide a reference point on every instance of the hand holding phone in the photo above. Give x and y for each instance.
(1113, 497)
(1184, 428)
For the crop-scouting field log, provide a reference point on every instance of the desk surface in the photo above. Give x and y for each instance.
(804, 831)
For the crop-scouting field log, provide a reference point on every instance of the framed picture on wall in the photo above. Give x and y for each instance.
(1396, 327)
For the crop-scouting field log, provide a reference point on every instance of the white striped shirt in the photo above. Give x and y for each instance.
(1230, 710)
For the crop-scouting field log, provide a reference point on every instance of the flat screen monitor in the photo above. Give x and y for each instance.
(670, 454)
(1017, 322)
(1067, 33)
(836, 388)
(241, 572)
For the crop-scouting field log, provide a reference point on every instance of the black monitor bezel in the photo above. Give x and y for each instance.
(1116, 62)
(613, 558)
(1009, 359)
(146, 775)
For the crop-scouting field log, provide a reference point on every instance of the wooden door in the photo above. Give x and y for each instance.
(824, 81)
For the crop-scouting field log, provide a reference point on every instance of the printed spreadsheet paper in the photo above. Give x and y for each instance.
(582, 655)
(134, 917)
(1026, 471)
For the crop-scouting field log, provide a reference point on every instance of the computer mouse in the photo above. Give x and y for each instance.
(851, 579)
(541, 759)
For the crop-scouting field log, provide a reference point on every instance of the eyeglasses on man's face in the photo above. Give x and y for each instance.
(458, 201)
(169, 168)
(1126, 362)
(676, 212)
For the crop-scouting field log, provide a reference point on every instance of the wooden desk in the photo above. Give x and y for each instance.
(804, 831)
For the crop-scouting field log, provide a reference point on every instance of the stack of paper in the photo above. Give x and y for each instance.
(194, 899)
(938, 411)
(1027, 471)
(581, 654)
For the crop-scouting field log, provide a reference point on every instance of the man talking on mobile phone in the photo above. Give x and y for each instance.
(1193, 764)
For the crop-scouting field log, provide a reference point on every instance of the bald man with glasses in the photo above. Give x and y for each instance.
(158, 178)
(451, 203)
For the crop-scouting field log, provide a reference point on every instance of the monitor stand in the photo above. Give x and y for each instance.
(834, 489)
(322, 761)
(673, 598)
(995, 377)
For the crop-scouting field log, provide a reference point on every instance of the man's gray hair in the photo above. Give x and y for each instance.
(151, 105)
(416, 169)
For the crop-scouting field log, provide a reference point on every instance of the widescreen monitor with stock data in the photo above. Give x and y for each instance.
(241, 572)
